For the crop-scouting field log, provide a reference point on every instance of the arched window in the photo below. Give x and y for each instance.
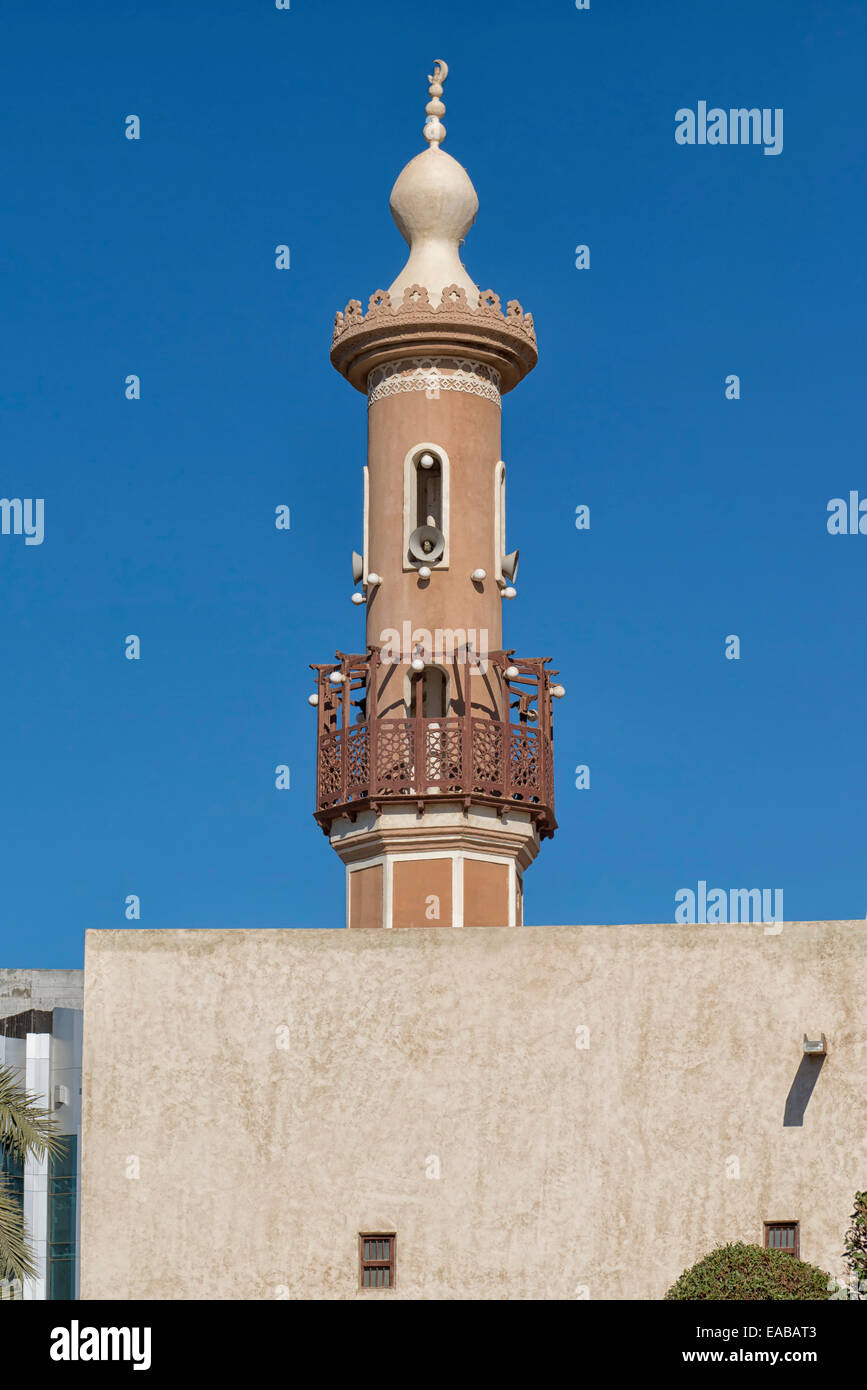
(426, 504)
(431, 686)
(429, 491)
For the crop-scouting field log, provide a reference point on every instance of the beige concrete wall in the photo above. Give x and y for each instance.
(24, 989)
(263, 1153)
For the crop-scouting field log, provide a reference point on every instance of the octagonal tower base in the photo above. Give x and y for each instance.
(445, 867)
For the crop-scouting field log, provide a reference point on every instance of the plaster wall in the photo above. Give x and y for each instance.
(283, 1091)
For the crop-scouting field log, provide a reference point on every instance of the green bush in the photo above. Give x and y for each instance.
(855, 1253)
(750, 1273)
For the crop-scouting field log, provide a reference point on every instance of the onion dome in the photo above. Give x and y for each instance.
(434, 205)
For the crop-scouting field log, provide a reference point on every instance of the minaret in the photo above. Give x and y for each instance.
(434, 749)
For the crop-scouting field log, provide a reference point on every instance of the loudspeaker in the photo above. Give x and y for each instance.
(509, 564)
(426, 544)
(357, 567)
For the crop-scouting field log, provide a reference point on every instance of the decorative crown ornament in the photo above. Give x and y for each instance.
(434, 308)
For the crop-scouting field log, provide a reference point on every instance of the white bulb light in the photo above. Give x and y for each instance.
(358, 598)
(373, 579)
(478, 575)
(512, 672)
(509, 592)
(423, 572)
(426, 461)
(558, 691)
(313, 699)
(336, 678)
(417, 663)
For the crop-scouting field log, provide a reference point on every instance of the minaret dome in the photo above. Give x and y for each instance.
(434, 205)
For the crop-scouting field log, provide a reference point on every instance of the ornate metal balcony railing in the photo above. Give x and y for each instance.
(462, 756)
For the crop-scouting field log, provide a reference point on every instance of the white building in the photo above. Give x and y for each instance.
(40, 1038)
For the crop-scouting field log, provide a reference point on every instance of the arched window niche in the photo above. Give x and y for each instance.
(426, 502)
(431, 688)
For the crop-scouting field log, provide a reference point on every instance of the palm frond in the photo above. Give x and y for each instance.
(16, 1261)
(25, 1126)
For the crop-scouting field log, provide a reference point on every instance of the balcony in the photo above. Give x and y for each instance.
(468, 756)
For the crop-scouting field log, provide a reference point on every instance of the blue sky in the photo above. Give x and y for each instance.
(708, 516)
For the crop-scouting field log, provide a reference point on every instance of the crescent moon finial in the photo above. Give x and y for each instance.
(434, 130)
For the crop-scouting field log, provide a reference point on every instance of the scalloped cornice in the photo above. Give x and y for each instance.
(414, 328)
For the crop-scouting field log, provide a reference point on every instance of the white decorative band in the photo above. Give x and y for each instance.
(434, 375)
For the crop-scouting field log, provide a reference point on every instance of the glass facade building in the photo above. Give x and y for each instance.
(40, 1045)
(62, 1205)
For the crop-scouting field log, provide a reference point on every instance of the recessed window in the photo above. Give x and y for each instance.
(426, 507)
(783, 1235)
(428, 693)
(429, 490)
(376, 1254)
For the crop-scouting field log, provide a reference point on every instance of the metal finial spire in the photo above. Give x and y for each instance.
(435, 131)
